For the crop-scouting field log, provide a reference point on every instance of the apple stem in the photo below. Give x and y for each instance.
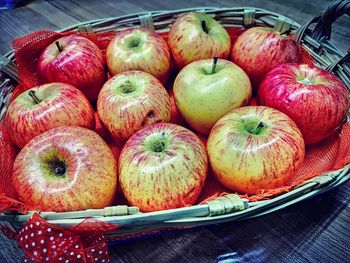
(58, 167)
(34, 97)
(59, 170)
(204, 26)
(159, 147)
(214, 64)
(259, 127)
(127, 87)
(58, 46)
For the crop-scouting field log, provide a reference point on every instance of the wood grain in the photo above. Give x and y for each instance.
(54, 15)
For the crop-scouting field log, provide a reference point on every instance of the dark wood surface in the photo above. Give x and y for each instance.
(36, 15)
(316, 230)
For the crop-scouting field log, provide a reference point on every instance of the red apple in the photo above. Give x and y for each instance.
(207, 89)
(139, 49)
(194, 36)
(260, 49)
(8, 153)
(131, 100)
(255, 148)
(316, 100)
(107, 137)
(47, 106)
(74, 60)
(66, 169)
(162, 166)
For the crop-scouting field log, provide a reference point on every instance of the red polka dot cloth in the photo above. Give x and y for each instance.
(44, 242)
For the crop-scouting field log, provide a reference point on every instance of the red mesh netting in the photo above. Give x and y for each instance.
(8, 152)
(331, 154)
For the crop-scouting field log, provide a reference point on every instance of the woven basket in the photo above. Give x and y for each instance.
(230, 207)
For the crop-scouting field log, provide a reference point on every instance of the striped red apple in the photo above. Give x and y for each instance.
(316, 100)
(130, 101)
(66, 169)
(254, 148)
(194, 36)
(74, 60)
(260, 49)
(47, 106)
(139, 49)
(162, 166)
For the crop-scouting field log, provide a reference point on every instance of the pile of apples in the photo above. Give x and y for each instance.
(159, 157)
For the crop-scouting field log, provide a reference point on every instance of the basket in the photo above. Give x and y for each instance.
(229, 207)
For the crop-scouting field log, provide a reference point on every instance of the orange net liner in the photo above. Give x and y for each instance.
(328, 155)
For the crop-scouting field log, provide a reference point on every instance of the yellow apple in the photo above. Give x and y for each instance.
(206, 90)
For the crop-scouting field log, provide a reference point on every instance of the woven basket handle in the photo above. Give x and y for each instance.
(323, 28)
(336, 9)
(325, 20)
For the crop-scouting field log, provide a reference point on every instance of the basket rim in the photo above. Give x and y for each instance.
(164, 12)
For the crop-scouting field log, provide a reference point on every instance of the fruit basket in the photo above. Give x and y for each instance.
(122, 221)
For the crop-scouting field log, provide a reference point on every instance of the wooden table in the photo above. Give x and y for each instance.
(316, 230)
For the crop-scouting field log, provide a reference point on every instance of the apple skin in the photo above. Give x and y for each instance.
(188, 41)
(61, 105)
(247, 162)
(90, 178)
(176, 117)
(170, 178)
(107, 137)
(139, 49)
(80, 64)
(203, 98)
(131, 100)
(316, 100)
(8, 153)
(259, 49)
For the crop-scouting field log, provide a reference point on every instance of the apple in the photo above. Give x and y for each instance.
(176, 117)
(206, 90)
(107, 137)
(44, 107)
(74, 60)
(254, 148)
(131, 100)
(66, 169)
(162, 166)
(194, 36)
(260, 49)
(139, 49)
(8, 153)
(203, 138)
(316, 100)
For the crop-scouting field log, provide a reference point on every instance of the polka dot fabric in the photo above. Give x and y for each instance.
(43, 242)
(47, 243)
(93, 226)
